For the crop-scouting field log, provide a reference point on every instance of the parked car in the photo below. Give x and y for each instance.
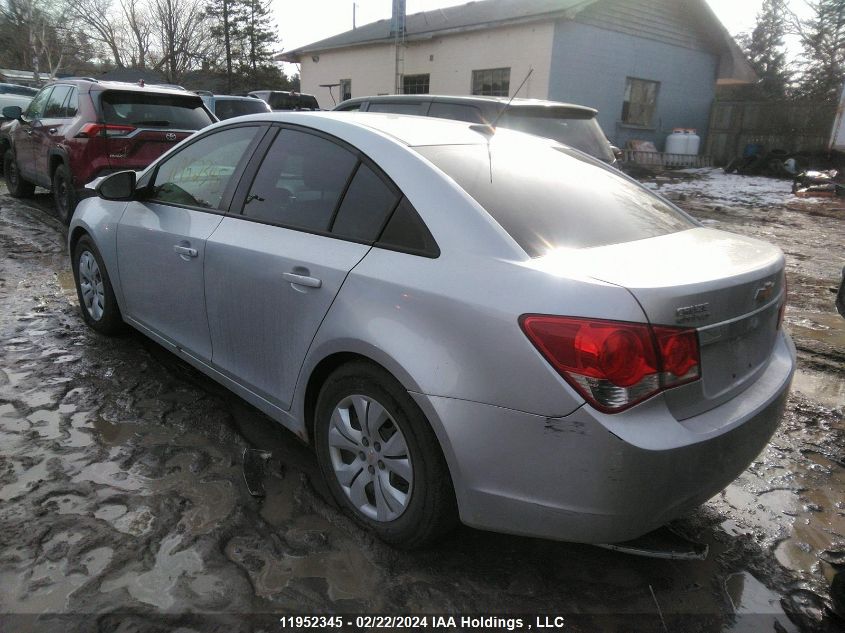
(78, 129)
(840, 295)
(228, 106)
(567, 123)
(495, 327)
(284, 100)
(15, 95)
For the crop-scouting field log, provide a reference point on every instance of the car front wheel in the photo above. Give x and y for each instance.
(93, 287)
(18, 187)
(64, 195)
(381, 459)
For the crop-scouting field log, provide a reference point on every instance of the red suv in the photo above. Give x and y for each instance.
(78, 129)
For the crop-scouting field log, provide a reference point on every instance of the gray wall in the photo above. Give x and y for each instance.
(590, 66)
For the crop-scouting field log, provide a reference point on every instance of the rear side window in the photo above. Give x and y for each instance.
(300, 181)
(456, 112)
(548, 197)
(199, 175)
(365, 207)
(406, 232)
(55, 104)
(154, 110)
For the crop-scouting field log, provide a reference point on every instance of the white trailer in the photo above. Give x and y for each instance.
(837, 137)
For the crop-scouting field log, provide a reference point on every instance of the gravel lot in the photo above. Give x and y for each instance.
(123, 505)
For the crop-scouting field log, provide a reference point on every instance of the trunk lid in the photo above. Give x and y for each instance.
(727, 287)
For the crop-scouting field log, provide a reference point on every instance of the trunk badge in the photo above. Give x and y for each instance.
(764, 292)
(170, 136)
(687, 314)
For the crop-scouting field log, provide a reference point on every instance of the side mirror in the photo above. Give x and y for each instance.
(119, 186)
(618, 153)
(12, 112)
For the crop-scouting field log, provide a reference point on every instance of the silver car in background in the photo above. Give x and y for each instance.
(465, 324)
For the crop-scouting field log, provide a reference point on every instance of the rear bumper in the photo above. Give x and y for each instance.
(596, 478)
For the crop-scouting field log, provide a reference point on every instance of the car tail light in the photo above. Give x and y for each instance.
(90, 130)
(615, 364)
(782, 309)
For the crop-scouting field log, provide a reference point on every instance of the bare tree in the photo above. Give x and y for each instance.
(104, 23)
(183, 36)
(140, 31)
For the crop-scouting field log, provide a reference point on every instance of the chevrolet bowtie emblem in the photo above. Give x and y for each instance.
(764, 292)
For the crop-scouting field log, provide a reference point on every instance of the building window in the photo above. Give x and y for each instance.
(345, 89)
(640, 101)
(415, 84)
(493, 82)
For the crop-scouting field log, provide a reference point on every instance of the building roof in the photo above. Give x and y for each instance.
(482, 14)
(471, 15)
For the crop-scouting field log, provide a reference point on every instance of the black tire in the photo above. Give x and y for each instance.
(108, 321)
(17, 186)
(430, 510)
(64, 194)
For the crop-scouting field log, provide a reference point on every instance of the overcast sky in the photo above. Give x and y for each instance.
(302, 22)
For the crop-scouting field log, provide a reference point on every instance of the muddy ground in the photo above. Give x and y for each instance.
(123, 505)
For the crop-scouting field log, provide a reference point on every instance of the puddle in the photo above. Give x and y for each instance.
(824, 388)
(155, 586)
(826, 327)
(756, 608)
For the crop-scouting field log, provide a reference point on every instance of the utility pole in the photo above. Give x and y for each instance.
(354, 7)
(397, 30)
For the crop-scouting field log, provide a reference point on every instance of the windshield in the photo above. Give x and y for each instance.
(549, 197)
(154, 110)
(287, 101)
(228, 108)
(580, 132)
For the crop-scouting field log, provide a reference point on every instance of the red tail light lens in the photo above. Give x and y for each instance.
(782, 309)
(90, 130)
(614, 364)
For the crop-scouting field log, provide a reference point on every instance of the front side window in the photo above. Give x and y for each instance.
(198, 175)
(55, 104)
(415, 84)
(300, 181)
(35, 109)
(640, 101)
(492, 82)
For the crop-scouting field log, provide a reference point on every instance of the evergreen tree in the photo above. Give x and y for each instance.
(766, 52)
(823, 39)
(227, 18)
(259, 34)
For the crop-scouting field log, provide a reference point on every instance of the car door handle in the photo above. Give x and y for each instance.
(52, 130)
(185, 251)
(302, 280)
(29, 132)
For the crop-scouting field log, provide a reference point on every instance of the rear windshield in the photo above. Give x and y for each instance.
(228, 108)
(548, 197)
(154, 110)
(580, 131)
(18, 90)
(283, 101)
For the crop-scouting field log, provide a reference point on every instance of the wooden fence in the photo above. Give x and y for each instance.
(793, 126)
(664, 159)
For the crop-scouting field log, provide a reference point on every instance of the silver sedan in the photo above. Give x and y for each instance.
(467, 324)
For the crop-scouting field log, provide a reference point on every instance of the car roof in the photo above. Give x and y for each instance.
(232, 98)
(94, 85)
(413, 131)
(516, 103)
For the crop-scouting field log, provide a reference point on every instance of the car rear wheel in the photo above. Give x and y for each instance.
(18, 187)
(93, 287)
(64, 195)
(380, 458)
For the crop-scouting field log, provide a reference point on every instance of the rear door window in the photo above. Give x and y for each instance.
(55, 104)
(199, 175)
(368, 202)
(71, 104)
(549, 197)
(456, 112)
(300, 181)
(140, 109)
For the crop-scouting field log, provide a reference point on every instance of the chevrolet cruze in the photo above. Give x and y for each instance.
(466, 323)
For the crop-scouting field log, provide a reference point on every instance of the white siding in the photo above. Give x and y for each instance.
(448, 59)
